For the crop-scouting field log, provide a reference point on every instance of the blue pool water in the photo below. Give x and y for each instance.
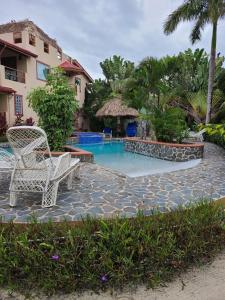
(7, 149)
(89, 138)
(113, 156)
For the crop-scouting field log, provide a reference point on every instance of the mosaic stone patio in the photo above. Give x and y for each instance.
(104, 193)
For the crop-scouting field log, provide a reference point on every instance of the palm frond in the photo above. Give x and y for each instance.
(188, 11)
(198, 103)
(203, 19)
(216, 10)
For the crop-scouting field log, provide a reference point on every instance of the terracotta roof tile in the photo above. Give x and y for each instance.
(6, 90)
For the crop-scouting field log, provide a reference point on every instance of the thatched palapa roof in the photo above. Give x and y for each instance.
(116, 108)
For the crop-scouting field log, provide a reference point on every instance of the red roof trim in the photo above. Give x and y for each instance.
(74, 67)
(16, 48)
(67, 66)
(76, 63)
(6, 90)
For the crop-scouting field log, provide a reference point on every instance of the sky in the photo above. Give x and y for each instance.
(92, 30)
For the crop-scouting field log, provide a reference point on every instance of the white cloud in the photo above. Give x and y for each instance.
(92, 30)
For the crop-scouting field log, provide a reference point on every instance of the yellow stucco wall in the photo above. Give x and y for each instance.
(28, 64)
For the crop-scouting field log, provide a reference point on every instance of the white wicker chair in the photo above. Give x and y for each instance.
(35, 170)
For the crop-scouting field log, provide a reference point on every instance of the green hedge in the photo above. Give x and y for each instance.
(100, 254)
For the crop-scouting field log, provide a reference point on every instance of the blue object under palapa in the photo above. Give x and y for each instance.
(131, 130)
(107, 130)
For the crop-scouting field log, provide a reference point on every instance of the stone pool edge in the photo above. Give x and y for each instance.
(83, 155)
(165, 151)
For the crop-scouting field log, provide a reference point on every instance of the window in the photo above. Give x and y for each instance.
(42, 71)
(59, 55)
(46, 47)
(17, 36)
(31, 39)
(77, 83)
(18, 104)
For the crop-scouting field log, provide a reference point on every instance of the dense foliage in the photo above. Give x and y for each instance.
(201, 13)
(116, 71)
(99, 254)
(170, 125)
(145, 86)
(55, 105)
(177, 81)
(116, 68)
(214, 133)
(96, 94)
(172, 81)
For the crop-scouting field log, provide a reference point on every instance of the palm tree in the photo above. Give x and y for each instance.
(203, 12)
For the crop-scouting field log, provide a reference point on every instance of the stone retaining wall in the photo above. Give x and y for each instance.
(166, 151)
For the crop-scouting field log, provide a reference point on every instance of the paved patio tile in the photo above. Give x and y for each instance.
(104, 193)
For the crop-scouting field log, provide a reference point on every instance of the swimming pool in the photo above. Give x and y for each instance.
(112, 155)
(7, 149)
(89, 138)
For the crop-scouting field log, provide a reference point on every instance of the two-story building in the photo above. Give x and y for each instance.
(26, 52)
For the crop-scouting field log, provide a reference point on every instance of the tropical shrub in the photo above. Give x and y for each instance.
(55, 105)
(170, 125)
(215, 133)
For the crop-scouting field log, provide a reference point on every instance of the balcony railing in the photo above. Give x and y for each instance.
(14, 75)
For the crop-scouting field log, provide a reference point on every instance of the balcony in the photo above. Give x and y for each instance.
(14, 75)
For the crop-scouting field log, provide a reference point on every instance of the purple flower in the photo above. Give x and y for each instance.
(104, 278)
(55, 257)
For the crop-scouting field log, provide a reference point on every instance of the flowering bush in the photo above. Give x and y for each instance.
(19, 121)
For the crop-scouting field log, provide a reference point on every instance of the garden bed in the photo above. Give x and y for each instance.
(100, 254)
(166, 151)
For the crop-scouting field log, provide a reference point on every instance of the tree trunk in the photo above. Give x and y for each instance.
(212, 66)
(158, 98)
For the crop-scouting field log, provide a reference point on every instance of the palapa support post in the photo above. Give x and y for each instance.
(118, 127)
